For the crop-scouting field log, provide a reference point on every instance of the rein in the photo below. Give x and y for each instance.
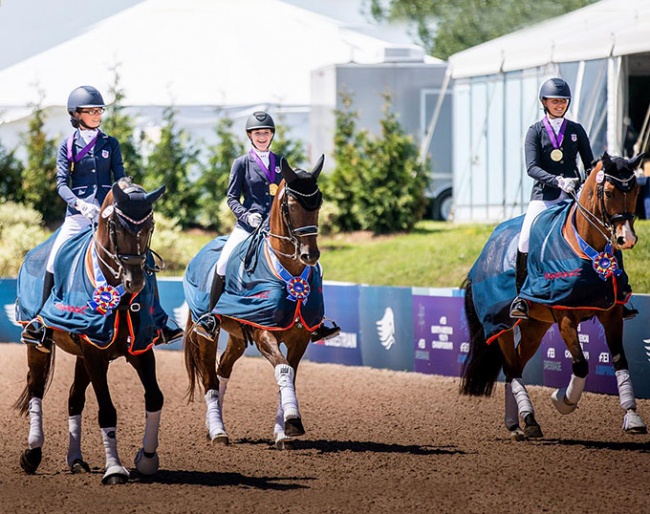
(294, 233)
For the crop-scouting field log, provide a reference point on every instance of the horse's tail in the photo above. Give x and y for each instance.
(22, 403)
(484, 361)
(192, 352)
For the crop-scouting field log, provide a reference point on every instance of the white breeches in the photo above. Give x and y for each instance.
(534, 208)
(72, 225)
(236, 236)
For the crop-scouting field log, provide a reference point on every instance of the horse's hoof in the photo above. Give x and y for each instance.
(533, 432)
(285, 444)
(115, 475)
(633, 424)
(220, 440)
(293, 427)
(561, 403)
(30, 459)
(79, 466)
(146, 464)
(517, 434)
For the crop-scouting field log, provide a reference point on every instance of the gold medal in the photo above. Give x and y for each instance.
(557, 155)
(273, 188)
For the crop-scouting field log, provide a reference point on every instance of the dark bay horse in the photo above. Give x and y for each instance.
(283, 305)
(597, 226)
(116, 262)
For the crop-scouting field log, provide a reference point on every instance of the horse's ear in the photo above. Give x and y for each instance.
(154, 195)
(118, 193)
(287, 172)
(634, 162)
(319, 166)
(606, 160)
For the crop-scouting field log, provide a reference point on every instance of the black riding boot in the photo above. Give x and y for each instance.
(325, 332)
(169, 335)
(208, 324)
(628, 312)
(519, 306)
(35, 332)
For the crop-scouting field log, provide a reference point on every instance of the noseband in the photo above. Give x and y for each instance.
(308, 201)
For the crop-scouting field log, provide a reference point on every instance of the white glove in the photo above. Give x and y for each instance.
(254, 219)
(87, 209)
(568, 185)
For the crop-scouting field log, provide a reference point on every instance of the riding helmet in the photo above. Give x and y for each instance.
(260, 120)
(84, 96)
(555, 88)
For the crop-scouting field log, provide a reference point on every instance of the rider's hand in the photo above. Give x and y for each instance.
(568, 185)
(254, 219)
(87, 209)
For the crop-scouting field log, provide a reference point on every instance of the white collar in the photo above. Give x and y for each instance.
(88, 134)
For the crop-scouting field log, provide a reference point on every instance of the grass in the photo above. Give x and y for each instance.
(437, 254)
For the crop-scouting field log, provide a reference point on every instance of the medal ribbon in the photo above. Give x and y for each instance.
(556, 140)
(297, 287)
(604, 263)
(83, 151)
(105, 296)
(267, 171)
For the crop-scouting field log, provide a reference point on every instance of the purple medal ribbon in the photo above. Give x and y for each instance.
(84, 150)
(267, 171)
(556, 141)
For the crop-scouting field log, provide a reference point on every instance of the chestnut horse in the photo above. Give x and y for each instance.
(289, 254)
(117, 256)
(602, 219)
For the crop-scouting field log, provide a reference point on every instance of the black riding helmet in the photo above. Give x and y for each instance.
(259, 120)
(555, 88)
(83, 97)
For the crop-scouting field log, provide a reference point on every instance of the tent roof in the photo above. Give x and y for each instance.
(608, 27)
(194, 52)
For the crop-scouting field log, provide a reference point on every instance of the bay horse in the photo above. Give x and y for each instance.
(118, 264)
(290, 251)
(600, 220)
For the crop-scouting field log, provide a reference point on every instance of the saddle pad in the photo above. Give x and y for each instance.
(67, 307)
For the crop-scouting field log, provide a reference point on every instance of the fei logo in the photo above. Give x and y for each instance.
(386, 329)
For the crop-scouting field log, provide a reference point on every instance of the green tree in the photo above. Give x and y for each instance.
(170, 163)
(213, 183)
(122, 127)
(445, 27)
(394, 197)
(292, 150)
(11, 171)
(345, 183)
(39, 175)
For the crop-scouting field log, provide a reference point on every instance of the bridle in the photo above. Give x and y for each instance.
(119, 259)
(308, 201)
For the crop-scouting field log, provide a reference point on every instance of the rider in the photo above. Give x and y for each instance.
(88, 163)
(551, 149)
(255, 175)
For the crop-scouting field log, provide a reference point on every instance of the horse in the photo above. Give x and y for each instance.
(118, 263)
(596, 226)
(290, 251)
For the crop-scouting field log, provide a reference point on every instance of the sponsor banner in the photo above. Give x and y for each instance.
(440, 335)
(342, 306)
(557, 365)
(9, 329)
(386, 315)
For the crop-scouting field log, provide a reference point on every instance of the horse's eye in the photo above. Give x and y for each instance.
(608, 194)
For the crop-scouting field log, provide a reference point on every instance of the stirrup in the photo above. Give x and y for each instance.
(206, 326)
(629, 313)
(519, 308)
(35, 333)
(323, 332)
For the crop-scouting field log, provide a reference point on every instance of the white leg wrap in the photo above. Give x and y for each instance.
(512, 411)
(575, 389)
(625, 389)
(521, 396)
(284, 375)
(150, 438)
(213, 418)
(278, 429)
(36, 437)
(223, 386)
(110, 447)
(74, 439)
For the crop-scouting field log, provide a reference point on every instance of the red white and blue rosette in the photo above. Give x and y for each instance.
(298, 288)
(105, 298)
(605, 264)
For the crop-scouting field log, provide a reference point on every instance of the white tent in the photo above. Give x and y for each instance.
(602, 50)
(193, 54)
